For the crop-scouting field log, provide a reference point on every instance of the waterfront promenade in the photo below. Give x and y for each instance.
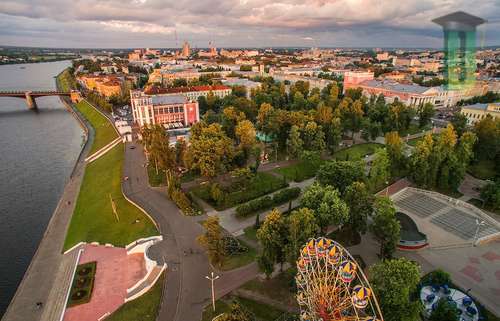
(46, 279)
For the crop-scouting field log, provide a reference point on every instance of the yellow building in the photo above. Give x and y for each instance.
(476, 112)
(105, 85)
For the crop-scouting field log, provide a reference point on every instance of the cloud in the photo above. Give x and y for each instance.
(249, 23)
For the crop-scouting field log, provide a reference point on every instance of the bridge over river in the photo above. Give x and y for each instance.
(31, 95)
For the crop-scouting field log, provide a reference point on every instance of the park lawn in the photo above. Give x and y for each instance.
(279, 288)
(300, 171)
(144, 308)
(64, 79)
(413, 129)
(261, 184)
(93, 219)
(251, 233)
(262, 312)
(156, 179)
(345, 237)
(239, 260)
(357, 151)
(483, 169)
(104, 130)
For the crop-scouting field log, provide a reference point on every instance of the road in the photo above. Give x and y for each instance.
(186, 290)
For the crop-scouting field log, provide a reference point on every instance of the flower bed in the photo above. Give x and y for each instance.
(83, 284)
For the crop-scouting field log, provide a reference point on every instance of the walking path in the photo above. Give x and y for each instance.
(186, 290)
(46, 279)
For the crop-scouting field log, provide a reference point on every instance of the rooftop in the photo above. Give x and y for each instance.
(157, 90)
(395, 86)
(168, 100)
(479, 106)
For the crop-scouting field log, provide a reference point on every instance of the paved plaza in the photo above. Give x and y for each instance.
(115, 273)
(475, 268)
(446, 221)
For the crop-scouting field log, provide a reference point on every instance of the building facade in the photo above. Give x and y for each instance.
(105, 85)
(477, 112)
(171, 111)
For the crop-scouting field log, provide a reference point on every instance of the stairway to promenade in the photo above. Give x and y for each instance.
(58, 293)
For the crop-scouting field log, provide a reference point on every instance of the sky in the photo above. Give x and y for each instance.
(236, 23)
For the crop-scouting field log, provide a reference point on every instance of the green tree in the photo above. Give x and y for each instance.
(341, 174)
(272, 237)
(487, 131)
(294, 142)
(444, 311)
(210, 150)
(213, 240)
(395, 284)
(394, 146)
(299, 101)
(463, 154)
(425, 113)
(459, 122)
(360, 202)
(327, 205)
(301, 226)
(490, 193)
(385, 226)
(380, 169)
(334, 134)
(420, 161)
(245, 134)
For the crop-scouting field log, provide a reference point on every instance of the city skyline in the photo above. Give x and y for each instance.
(243, 23)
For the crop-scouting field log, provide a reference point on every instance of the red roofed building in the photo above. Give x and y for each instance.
(191, 93)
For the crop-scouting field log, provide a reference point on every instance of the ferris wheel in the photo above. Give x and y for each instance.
(331, 286)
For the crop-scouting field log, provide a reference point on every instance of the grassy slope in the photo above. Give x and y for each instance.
(93, 218)
(144, 308)
(104, 131)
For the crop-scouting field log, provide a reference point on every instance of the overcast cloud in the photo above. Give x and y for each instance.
(236, 23)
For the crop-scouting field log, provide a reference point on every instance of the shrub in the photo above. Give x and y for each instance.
(437, 277)
(182, 201)
(267, 201)
(254, 205)
(286, 195)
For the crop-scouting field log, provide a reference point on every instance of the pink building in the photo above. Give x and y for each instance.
(172, 111)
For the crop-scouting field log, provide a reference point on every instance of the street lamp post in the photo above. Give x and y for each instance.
(212, 278)
(478, 226)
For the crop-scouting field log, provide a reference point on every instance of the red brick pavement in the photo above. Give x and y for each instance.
(115, 273)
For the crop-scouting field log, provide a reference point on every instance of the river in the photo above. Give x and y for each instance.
(38, 151)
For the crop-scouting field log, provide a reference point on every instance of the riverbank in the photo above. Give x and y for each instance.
(39, 280)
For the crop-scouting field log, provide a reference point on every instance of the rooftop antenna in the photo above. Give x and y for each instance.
(176, 43)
